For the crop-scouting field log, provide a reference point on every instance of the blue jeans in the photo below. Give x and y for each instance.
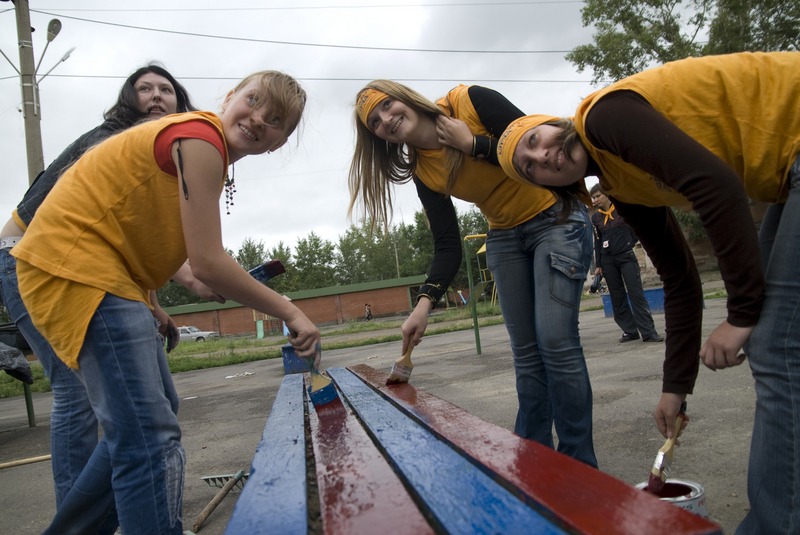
(773, 351)
(539, 268)
(140, 457)
(73, 426)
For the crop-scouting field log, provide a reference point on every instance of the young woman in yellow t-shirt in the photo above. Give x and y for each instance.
(708, 133)
(538, 248)
(91, 258)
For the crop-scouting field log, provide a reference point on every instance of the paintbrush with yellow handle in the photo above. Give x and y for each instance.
(660, 471)
(401, 369)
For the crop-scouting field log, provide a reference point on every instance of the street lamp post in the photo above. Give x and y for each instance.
(27, 80)
(31, 110)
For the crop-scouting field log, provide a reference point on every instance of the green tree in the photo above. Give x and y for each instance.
(635, 34)
(314, 259)
(350, 256)
(632, 35)
(754, 25)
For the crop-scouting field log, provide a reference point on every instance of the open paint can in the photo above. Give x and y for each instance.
(685, 494)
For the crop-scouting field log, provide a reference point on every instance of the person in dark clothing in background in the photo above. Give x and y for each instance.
(617, 263)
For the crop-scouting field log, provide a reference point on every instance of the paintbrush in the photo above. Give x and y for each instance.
(267, 270)
(321, 389)
(401, 369)
(663, 462)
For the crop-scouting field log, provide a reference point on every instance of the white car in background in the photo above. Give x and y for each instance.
(193, 334)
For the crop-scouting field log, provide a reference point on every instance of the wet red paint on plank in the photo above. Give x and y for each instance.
(358, 490)
(581, 497)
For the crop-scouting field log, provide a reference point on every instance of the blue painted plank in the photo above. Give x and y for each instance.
(461, 498)
(274, 498)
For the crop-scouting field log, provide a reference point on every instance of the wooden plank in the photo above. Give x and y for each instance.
(359, 493)
(584, 499)
(459, 497)
(274, 498)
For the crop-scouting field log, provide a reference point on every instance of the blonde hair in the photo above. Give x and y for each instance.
(378, 164)
(285, 99)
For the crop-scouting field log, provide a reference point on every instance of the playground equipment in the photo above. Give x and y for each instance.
(471, 285)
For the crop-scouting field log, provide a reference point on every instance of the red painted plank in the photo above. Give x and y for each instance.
(359, 492)
(583, 498)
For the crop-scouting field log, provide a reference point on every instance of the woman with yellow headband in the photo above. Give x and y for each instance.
(538, 249)
(707, 133)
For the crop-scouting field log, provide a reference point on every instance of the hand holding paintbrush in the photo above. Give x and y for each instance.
(663, 462)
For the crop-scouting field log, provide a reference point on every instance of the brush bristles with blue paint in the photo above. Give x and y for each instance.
(321, 389)
(401, 369)
(267, 270)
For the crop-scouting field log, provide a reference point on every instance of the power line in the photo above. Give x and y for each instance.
(319, 79)
(292, 43)
(455, 4)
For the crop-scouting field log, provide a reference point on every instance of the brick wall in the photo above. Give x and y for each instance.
(338, 308)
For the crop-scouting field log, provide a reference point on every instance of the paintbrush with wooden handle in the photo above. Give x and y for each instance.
(401, 369)
(660, 471)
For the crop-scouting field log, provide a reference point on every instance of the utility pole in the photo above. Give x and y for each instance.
(30, 93)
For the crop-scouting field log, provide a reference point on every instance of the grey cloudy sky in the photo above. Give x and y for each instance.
(302, 187)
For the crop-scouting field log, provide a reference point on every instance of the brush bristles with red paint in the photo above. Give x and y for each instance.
(663, 462)
(267, 270)
(401, 369)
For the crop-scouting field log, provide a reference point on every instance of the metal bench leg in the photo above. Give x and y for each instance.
(29, 404)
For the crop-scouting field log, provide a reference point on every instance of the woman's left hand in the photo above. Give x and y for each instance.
(721, 350)
(454, 133)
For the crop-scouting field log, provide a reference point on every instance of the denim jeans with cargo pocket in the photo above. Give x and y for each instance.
(539, 268)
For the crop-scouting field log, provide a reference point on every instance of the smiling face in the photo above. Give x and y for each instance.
(248, 131)
(155, 95)
(394, 121)
(541, 160)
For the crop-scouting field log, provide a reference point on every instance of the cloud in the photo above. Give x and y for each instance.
(303, 187)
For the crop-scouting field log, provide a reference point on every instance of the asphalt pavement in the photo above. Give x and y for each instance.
(223, 412)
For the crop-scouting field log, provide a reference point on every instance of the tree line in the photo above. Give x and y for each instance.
(359, 256)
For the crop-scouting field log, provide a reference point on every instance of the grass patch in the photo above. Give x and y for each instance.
(715, 295)
(10, 387)
(594, 307)
(223, 352)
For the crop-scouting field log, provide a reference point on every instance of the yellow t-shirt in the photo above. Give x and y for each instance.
(505, 202)
(89, 236)
(745, 108)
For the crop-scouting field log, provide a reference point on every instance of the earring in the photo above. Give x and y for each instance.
(230, 189)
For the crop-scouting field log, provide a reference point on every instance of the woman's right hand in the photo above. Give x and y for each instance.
(414, 327)
(598, 271)
(304, 337)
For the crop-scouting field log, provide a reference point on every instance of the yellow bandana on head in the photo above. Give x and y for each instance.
(508, 142)
(367, 101)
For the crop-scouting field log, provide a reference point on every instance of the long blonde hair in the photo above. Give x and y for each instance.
(378, 164)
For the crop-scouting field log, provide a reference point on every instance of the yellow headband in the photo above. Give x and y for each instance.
(508, 142)
(367, 101)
